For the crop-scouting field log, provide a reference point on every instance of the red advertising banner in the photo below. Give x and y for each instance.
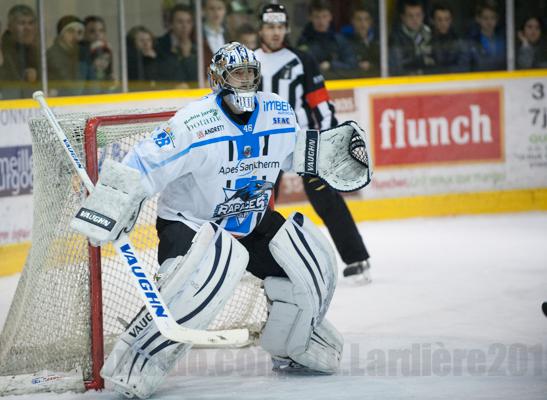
(436, 128)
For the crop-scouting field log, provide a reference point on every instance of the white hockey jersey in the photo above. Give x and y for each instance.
(209, 168)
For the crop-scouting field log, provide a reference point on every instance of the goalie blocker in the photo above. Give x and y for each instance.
(339, 156)
(113, 207)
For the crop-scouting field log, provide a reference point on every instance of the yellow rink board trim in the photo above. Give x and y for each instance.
(12, 257)
(331, 85)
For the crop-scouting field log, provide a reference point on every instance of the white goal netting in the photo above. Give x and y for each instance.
(48, 325)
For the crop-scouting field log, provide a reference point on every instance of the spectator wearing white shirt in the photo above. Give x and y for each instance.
(214, 32)
(213, 26)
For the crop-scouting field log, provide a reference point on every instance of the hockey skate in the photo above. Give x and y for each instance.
(282, 365)
(358, 272)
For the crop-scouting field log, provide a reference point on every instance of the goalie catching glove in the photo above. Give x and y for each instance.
(339, 156)
(113, 206)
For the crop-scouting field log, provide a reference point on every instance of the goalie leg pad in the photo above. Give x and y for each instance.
(290, 335)
(308, 259)
(296, 331)
(195, 288)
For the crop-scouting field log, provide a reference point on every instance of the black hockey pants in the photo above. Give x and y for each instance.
(176, 238)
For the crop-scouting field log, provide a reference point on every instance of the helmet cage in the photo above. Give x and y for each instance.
(235, 72)
(231, 77)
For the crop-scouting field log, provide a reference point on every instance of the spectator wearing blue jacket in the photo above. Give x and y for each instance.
(331, 51)
(364, 42)
(487, 44)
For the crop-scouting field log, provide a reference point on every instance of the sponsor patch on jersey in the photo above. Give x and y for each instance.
(163, 136)
(204, 132)
(202, 119)
(281, 120)
(244, 167)
(282, 107)
(253, 197)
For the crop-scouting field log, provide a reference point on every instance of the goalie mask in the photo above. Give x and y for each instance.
(235, 74)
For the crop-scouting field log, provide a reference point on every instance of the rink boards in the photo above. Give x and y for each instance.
(441, 145)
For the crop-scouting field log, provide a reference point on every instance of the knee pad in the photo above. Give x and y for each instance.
(195, 288)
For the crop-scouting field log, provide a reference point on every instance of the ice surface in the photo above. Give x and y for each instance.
(454, 312)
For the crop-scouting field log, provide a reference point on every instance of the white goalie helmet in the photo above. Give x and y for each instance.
(235, 74)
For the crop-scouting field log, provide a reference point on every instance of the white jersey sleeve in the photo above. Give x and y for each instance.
(159, 157)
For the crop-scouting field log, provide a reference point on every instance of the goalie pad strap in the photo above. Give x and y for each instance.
(195, 288)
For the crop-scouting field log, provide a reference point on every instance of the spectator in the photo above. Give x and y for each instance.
(95, 29)
(449, 51)
(214, 12)
(332, 51)
(410, 42)
(247, 36)
(239, 14)
(96, 51)
(66, 66)
(142, 58)
(100, 71)
(1, 54)
(532, 52)
(177, 51)
(364, 43)
(487, 46)
(20, 50)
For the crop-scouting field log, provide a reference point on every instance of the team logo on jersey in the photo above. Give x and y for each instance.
(253, 197)
(163, 137)
(281, 121)
(247, 151)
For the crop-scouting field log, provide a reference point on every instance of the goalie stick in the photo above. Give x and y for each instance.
(145, 285)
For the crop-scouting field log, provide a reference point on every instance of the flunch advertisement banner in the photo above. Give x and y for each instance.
(439, 137)
(437, 128)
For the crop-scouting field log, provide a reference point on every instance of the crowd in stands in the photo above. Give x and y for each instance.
(422, 40)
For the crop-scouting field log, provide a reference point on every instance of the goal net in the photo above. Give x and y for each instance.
(74, 300)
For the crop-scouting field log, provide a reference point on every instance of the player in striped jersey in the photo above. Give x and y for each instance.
(295, 76)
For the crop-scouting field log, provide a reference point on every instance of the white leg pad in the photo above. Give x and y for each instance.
(290, 335)
(324, 351)
(308, 259)
(195, 288)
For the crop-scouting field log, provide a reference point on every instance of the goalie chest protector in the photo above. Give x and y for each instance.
(210, 168)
